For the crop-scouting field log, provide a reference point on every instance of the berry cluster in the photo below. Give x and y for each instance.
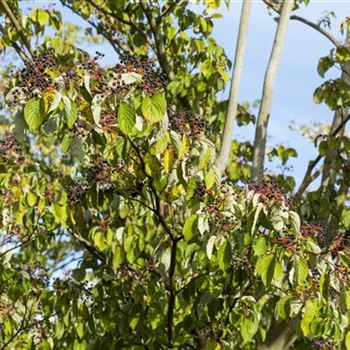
(222, 224)
(34, 76)
(108, 120)
(213, 207)
(8, 145)
(91, 65)
(287, 241)
(75, 192)
(312, 230)
(323, 344)
(78, 128)
(201, 191)
(339, 244)
(152, 78)
(270, 192)
(342, 272)
(186, 123)
(101, 172)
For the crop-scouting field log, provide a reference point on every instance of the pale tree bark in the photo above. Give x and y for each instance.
(226, 137)
(281, 335)
(267, 94)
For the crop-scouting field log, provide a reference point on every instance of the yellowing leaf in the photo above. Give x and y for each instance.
(186, 144)
(205, 159)
(210, 178)
(214, 4)
(168, 160)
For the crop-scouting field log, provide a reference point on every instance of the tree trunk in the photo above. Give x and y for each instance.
(269, 84)
(281, 335)
(222, 159)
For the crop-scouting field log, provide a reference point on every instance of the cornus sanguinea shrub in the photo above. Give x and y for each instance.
(119, 231)
(159, 276)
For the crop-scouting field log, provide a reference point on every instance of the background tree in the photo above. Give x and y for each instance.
(110, 172)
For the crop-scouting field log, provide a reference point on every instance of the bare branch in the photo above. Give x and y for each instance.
(318, 28)
(307, 22)
(16, 24)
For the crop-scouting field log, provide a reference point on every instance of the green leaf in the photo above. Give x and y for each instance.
(33, 114)
(260, 245)
(310, 313)
(283, 307)
(224, 255)
(96, 107)
(32, 198)
(347, 341)
(277, 222)
(42, 17)
(55, 102)
(71, 111)
(99, 240)
(66, 141)
(210, 178)
(154, 108)
(324, 64)
(301, 269)
(248, 328)
(205, 158)
(126, 118)
(347, 299)
(79, 328)
(265, 267)
(161, 144)
(79, 274)
(295, 221)
(210, 246)
(190, 227)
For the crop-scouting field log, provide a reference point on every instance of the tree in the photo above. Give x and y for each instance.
(117, 229)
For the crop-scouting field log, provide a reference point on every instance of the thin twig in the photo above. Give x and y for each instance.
(307, 22)
(192, 280)
(168, 9)
(308, 178)
(318, 28)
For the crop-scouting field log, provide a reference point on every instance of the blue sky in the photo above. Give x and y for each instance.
(297, 76)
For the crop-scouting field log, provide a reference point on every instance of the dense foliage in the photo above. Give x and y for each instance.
(118, 232)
